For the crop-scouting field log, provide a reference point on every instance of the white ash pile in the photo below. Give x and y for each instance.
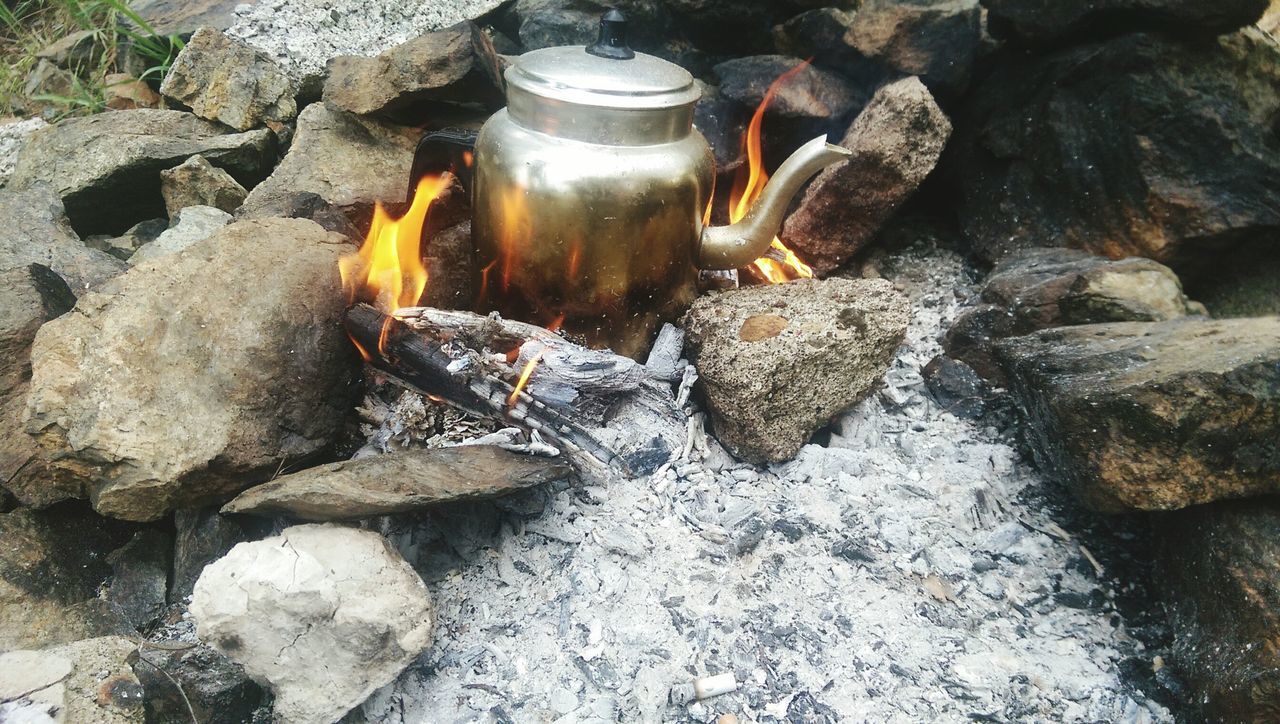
(894, 575)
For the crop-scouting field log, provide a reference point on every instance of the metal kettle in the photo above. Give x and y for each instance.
(590, 189)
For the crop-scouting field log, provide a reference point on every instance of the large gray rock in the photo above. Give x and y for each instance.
(172, 385)
(824, 34)
(1062, 150)
(190, 225)
(34, 230)
(13, 136)
(777, 362)
(106, 168)
(29, 297)
(1037, 22)
(84, 681)
(397, 483)
(934, 39)
(348, 161)
(223, 79)
(455, 65)
(1153, 415)
(896, 142)
(196, 182)
(550, 23)
(1219, 568)
(323, 614)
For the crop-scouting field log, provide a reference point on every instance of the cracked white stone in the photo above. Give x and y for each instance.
(322, 614)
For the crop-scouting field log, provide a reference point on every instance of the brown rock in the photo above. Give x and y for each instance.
(196, 182)
(1220, 566)
(222, 79)
(934, 39)
(34, 230)
(397, 482)
(124, 92)
(1153, 415)
(769, 389)
(896, 141)
(173, 386)
(454, 65)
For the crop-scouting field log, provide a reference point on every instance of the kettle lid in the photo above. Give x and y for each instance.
(606, 74)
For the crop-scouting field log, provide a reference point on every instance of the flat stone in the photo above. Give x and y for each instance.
(196, 182)
(397, 482)
(1038, 23)
(222, 79)
(94, 683)
(191, 225)
(1153, 415)
(896, 142)
(250, 366)
(1219, 570)
(323, 614)
(106, 168)
(348, 161)
(34, 230)
(456, 65)
(827, 344)
(186, 16)
(936, 40)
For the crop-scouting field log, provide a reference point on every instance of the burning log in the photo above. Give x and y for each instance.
(604, 411)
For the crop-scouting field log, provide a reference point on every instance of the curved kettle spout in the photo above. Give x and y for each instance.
(737, 245)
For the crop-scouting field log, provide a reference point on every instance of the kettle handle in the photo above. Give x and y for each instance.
(450, 149)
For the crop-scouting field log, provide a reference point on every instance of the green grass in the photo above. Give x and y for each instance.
(27, 26)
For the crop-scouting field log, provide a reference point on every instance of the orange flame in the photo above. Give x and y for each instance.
(748, 185)
(525, 374)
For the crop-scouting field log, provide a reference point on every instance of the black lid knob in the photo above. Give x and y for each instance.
(612, 42)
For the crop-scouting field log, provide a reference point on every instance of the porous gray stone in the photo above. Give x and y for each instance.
(455, 65)
(1153, 415)
(222, 79)
(777, 362)
(34, 230)
(196, 182)
(175, 385)
(106, 168)
(324, 615)
(896, 142)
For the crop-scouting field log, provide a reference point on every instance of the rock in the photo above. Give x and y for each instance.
(896, 141)
(808, 104)
(196, 182)
(190, 226)
(33, 230)
(956, 387)
(934, 39)
(1042, 288)
(778, 362)
(45, 86)
(51, 566)
(550, 23)
(123, 92)
(1219, 566)
(85, 681)
(80, 51)
(310, 206)
(449, 260)
(249, 366)
(106, 168)
(727, 27)
(347, 161)
(23, 471)
(28, 298)
(455, 65)
(140, 576)
(122, 247)
(169, 17)
(1153, 415)
(1247, 285)
(1060, 150)
(13, 136)
(324, 615)
(202, 536)
(1037, 23)
(223, 79)
(218, 689)
(397, 482)
(823, 34)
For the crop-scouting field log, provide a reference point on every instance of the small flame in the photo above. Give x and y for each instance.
(525, 374)
(748, 185)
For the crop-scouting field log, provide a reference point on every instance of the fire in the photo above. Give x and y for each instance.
(525, 374)
(782, 264)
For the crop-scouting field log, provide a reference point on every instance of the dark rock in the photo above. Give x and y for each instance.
(722, 122)
(397, 482)
(122, 247)
(550, 23)
(1036, 23)
(202, 537)
(456, 65)
(240, 374)
(1153, 415)
(778, 362)
(222, 79)
(852, 551)
(1144, 145)
(217, 688)
(823, 34)
(449, 258)
(896, 141)
(934, 39)
(306, 205)
(1220, 569)
(28, 298)
(348, 161)
(196, 182)
(729, 27)
(33, 230)
(1246, 285)
(956, 387)
(140, 576)
(106, 168)
(188, 226)
(51, 566)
